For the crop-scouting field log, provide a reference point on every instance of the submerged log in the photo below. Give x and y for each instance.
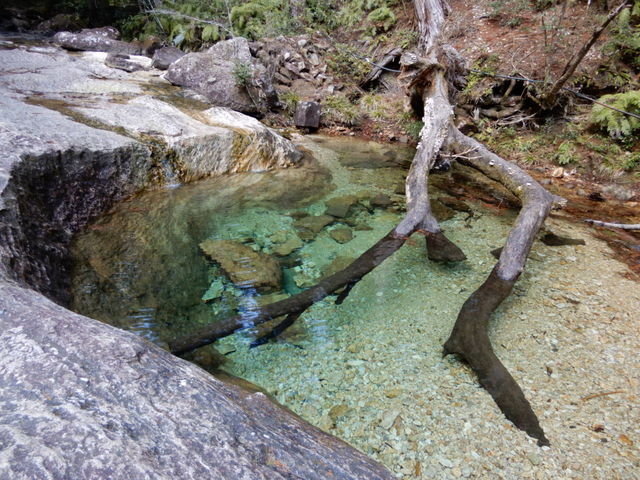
(469, 338)
(425, 72)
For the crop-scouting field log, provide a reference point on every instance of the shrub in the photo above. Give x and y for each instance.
(262, 18)
(625, 41)
(242, 72)
(566, 154)
(339, 110)
(617, 124)
(345, 62)
(290, 102)
(383, 18)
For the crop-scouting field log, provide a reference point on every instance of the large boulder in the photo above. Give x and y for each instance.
(165, 56)
(103, 39)
(83, 400)
(224, 74)
(79, 398)
(103, 166)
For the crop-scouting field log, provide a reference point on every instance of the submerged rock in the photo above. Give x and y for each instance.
(338, 263)
(381, 201)
(244, 267)
(313, 224)
(288, 247)
(553, 240)
(440, 211)
(214, 291)
(340, 207)
(341, 234)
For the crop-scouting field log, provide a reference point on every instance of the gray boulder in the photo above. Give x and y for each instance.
(165, 56)
(307, 115)
(103, 39)
(81, 399)
(224, 74)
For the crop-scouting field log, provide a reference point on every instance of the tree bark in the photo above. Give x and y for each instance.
(469, 338)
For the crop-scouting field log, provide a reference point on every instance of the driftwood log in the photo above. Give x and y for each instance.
(426, 72)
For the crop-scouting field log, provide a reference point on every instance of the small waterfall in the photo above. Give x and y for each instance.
(170, 176)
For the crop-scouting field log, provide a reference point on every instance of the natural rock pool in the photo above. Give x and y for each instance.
(370, 370)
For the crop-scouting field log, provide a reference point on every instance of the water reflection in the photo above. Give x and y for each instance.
(141, 267)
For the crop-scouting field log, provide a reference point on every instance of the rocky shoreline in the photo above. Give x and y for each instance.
(81, 399)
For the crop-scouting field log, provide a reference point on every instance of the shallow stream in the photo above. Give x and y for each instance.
(370, 370)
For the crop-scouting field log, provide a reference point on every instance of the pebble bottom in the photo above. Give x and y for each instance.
(371, 371)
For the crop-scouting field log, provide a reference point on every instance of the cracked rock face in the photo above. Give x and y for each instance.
(79, 398)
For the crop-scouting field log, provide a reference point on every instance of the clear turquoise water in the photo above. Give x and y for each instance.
(354, 370)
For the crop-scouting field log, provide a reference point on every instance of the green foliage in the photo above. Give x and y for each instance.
(382, 18)
(625, 41)
(407, 38)
(321, 13)
(346, 64)
(186, 28)
(617, 124)
(479, 85)
(353, 11)
(339, 110)
(261, 18)
(242, 72)
(413, 129)
(565, 154)
(290, 102)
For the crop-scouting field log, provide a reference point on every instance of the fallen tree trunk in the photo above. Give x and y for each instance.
(469, 339)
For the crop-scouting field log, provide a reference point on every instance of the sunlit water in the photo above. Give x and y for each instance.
(369, 370)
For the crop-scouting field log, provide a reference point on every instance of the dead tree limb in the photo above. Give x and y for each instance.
(623, 226)
(549, 98)
(469, 338)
